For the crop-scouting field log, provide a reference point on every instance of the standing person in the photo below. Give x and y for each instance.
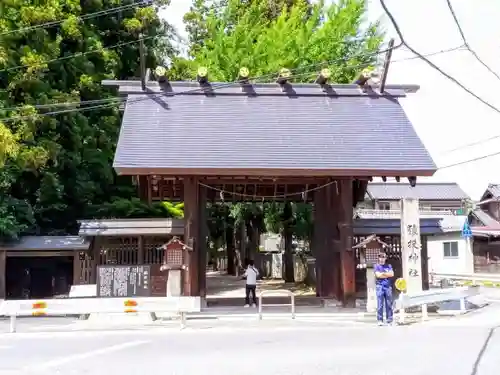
(383, 275)
(251, 274)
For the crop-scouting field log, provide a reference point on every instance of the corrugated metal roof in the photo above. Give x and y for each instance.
(485, 218)
(123, 227)
(452, 223)
(301, 129)
(422, 191)
(45, 243)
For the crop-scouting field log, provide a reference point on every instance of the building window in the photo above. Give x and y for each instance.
(450, 249)
(386, 206)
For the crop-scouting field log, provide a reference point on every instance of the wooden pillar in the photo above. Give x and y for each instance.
(347, 255)
(334, 216)
(191, 236)
(326, 242)
(77, 268)
(317, 243)
(95, 252)
(202, 207)
(3, 274)
(140, 250)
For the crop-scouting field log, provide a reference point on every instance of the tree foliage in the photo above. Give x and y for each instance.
(56, 169)
(303, 38)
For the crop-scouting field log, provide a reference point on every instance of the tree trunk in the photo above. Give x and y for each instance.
(230, 251)
(288, 238)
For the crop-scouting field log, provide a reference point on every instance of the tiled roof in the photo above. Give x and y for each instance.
(45, 243)
(485, 218)
(422, 191)
(493, 190)
(265, 129)
(452, 223)
(123, 227)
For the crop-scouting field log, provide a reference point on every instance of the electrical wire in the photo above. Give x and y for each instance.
(430, 63)
(470, 160)
(466, 43)
(81, 18)
(201, 89)
(61, 104)
(79, 54)
(475, 143)
(99, 101)
(430, 54)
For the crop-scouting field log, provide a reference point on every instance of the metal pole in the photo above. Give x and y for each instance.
(425, 314)
(183, 320)
(12, 323)
(293, 305)
(401, 309)
(260, 306)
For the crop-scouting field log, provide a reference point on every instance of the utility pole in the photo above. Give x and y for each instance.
(387, 63)
(142, 59)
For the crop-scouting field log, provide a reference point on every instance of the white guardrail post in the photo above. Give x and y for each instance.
(277, 293)
(78, 306)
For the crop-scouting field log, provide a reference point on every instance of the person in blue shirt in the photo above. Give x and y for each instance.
(383, 287)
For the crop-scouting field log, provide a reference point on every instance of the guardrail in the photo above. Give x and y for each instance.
(81, 306)
(428, 297)
(275, 293)
(484, 279)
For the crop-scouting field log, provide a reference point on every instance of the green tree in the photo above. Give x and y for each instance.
(57, 169)
(304, 38)
(201, 11)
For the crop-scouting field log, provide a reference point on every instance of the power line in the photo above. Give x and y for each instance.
(435, 53)
(467, 145)
(79, 54)
(99, 101)
(81, 18)
(61, 104)
(470, 160)
(466, 43)
(215, 87)
(430, 63)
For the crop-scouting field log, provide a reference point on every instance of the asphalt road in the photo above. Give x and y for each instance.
(264, 348)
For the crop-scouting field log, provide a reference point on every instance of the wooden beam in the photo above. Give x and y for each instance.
(3, 274)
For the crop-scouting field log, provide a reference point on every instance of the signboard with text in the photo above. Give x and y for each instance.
(410, 245)
(123, 281)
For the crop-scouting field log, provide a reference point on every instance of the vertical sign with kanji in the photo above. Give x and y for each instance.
(410, 245)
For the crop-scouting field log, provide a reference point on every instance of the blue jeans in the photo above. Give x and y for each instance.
(384, 297)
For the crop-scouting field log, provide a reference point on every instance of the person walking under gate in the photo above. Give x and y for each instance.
(383, 287)
(251, 274)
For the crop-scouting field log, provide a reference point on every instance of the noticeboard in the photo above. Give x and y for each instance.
(123, 281)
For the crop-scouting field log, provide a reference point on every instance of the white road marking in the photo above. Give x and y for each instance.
(77, 357)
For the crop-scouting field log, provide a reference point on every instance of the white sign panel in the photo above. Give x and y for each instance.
(410, 245)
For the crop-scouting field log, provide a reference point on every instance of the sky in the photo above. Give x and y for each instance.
(444, 116)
